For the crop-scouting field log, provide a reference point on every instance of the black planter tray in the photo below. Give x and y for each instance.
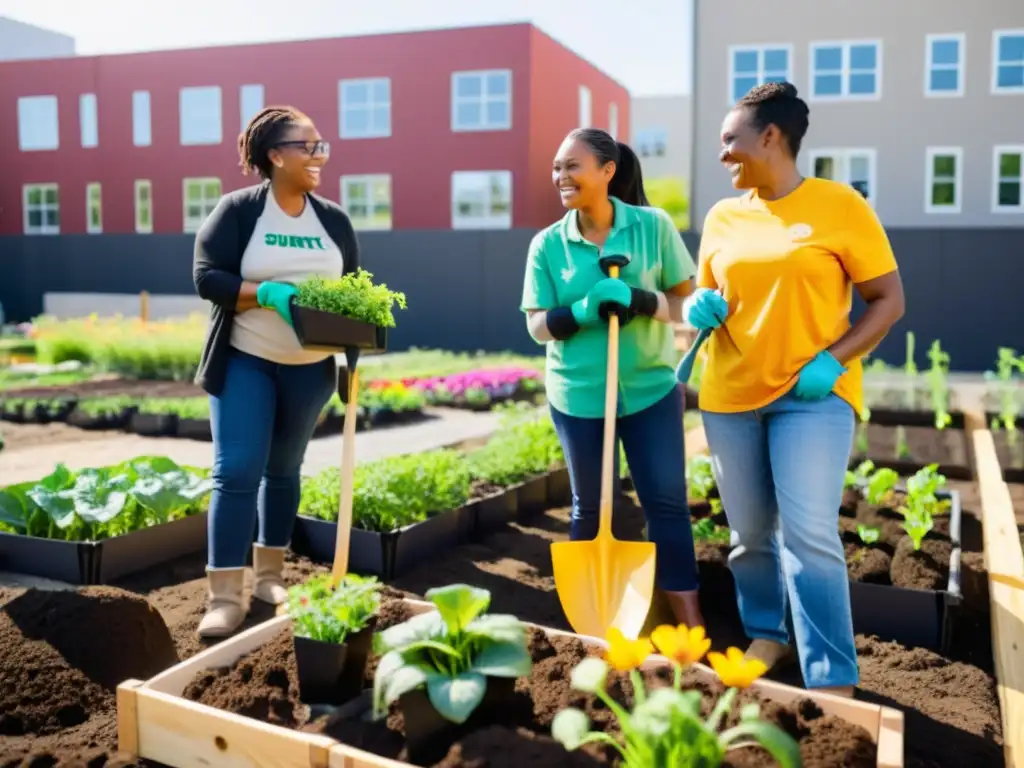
(1010, 474)
(101, 562)
(153, 424)
(326, 331)
(195, 429)
(385, 555)
(913, 617)
(531, 498)
(120, 420)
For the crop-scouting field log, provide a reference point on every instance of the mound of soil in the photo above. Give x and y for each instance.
(264, 685)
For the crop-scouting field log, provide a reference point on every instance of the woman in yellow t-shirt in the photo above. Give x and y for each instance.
(782, 382)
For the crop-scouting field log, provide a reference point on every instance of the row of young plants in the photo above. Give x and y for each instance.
(447, 668)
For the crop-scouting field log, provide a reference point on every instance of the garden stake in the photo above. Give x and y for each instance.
(606, 583)
(349, 393)
(685, 367)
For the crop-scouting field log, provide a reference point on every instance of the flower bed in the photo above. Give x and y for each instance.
(96, 525)
(407, 508)
(478, 389)
(239, 702)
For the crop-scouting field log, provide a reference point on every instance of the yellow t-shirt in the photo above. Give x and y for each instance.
(787, 268)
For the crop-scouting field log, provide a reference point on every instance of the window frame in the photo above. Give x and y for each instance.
(653, 133)
(142, 109)
(997, 151)
(186, 138)
(760, 49)
(455, 101)
(35, 102)
(370, 106)
(845, 72)
(136, 187)
(843, 154)
(960, 39)
(91, 229)
(369, 179)
(997, 35)
(43, 187)
(489, 222)
(184, 201)
(584, 107)
(931, 153)
(88, 129)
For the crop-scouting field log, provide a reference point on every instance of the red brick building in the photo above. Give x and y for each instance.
(452, 128)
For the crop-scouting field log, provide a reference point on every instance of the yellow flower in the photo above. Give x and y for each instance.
(624, 654)
(734, 670)
(682, 644)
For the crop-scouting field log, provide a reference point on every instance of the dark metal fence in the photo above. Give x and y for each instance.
(963, 286)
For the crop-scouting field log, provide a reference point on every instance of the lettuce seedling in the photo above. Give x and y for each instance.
(860, 475)
(450, 652)
(700, 477)
(868, 534)
(881, 486)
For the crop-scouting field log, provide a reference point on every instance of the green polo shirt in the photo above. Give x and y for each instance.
(561, 267)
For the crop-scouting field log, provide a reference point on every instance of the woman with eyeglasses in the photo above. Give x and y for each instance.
(266, 391)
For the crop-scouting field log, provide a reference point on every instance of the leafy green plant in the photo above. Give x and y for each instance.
(95, 504)
(353, 295)
(526, 446)
(938, 384)
(450, 652)
(321, 611)
(858, 477)
(921, 503)
(97, 407)
(1008, 365)
(881, 487)
(868, 534)
(700, 477)
(707, 530)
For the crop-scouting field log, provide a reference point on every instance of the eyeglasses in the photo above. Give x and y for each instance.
(311, 148)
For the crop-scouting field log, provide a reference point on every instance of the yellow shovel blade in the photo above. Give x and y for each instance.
(1005, 578)
(604, 583)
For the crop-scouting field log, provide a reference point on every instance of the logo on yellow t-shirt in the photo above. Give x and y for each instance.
(800, 231)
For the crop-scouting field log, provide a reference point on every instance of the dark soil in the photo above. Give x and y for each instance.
(925, 445)
(950, 703)
(109, 388)
(1010, 456)
(264, 685)
(895, 398)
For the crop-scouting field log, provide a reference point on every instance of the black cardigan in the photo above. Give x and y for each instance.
(217, 264)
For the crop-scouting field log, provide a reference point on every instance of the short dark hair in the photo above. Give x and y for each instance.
(262, 133)
(778, 104)
(628, 182)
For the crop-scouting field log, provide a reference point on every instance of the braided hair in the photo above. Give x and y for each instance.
(261, 134)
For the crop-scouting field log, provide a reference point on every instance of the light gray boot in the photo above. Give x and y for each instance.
(227, 609)
(268, 574)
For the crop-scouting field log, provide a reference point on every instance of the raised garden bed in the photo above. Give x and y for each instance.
(906, 441)
(1009, 444)
(238, 703)
(98, 525)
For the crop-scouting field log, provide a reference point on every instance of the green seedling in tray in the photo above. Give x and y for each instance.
(354, 296)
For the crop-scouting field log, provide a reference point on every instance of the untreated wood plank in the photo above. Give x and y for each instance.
(127, 718)
(1003, 558)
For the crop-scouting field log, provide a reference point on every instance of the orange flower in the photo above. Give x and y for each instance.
(624, 654)
(681, 644)
(734, 669)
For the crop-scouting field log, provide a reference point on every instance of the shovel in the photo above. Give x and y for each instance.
(606, 582)
(348, 390)
(685, 367)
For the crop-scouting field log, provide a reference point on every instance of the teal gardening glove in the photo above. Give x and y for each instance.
(587, 310)
(277, 296)
(818, 377)
(705, 309)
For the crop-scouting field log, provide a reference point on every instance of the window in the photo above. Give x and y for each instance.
(1008, 61)
(750, 66)
(846, 70)
(42, 209)
(142, 123)
(367, 199)
(586, 108)
(855, 167)
(93, 208)
(201, 197)
(944, 64)
(613, 120)
(199, 115)
(143, 206)
(943, 179)
(1008, 189)
(481, 200)
(88, 120)
(482, 101)
(364, 108)
(650, 142)
(38, 127)
(250, 101)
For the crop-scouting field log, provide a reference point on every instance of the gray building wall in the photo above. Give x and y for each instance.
(899, 125)
(663, 117)
(19, 40)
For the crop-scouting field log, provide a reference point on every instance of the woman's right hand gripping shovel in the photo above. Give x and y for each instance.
(705, 310)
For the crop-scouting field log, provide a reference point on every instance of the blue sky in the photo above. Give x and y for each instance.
(646, 48)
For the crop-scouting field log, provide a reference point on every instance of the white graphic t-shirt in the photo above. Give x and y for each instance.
(284, 249)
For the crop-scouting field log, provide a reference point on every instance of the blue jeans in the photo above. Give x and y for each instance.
(262, 422)
(655, 451)
(780, 471)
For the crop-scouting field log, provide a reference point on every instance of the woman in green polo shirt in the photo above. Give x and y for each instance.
(600, 183)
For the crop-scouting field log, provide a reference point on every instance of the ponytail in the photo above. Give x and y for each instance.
(627, 184)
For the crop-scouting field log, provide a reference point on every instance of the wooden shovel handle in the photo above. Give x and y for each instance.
(611, 399)
(348, 468)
